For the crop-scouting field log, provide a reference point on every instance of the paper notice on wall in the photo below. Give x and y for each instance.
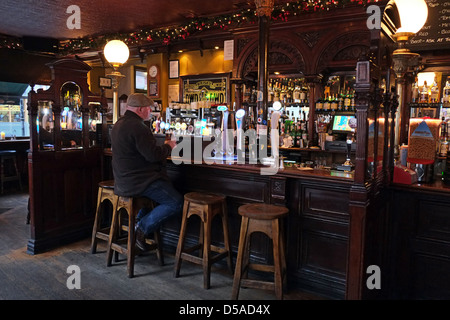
(174, 93)
(228, 50)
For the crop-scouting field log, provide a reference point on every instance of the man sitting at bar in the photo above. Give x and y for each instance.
(139, 167)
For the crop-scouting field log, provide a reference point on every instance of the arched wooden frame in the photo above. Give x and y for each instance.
(283, 57)
(343, 52)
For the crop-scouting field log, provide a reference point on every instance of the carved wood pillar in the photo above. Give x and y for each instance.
(264, 10)
(238, 92)
(359, 195)
(314, 86)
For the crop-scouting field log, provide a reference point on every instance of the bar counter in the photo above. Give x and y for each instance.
(317, 227)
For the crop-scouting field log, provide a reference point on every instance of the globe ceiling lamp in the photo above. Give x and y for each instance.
(413, 15)
(116, 52)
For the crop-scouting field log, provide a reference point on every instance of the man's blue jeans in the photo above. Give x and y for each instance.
(169, 203)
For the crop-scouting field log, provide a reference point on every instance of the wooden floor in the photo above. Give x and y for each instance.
(44, 276)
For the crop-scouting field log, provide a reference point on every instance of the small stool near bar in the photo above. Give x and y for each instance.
(126, 245)
(206, 206)
(268, 219)
(8, 160)
(100, 231)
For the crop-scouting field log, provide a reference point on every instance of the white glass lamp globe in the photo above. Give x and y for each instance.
(413, 15)
(116, 52)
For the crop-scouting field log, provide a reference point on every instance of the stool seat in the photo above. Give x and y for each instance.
(204, 198)
(109, 184)
(206, 206)
(262, 211)
(267, 219)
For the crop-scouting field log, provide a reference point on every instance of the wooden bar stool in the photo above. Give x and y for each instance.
(206, 206)
(9, 157)
(105, 193)
(126, 246)
(265, 218)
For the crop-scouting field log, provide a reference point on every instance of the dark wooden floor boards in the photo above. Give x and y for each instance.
(44, 276)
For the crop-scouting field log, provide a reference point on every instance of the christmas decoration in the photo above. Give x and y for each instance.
(169, 34)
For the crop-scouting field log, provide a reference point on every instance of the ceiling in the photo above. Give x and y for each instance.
(48, 18)
(43, 20)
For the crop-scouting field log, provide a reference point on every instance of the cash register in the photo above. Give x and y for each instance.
(343, 129)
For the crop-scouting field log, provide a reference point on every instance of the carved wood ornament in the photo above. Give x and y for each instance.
(264, 7)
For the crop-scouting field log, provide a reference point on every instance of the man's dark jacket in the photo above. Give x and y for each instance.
(137, 160)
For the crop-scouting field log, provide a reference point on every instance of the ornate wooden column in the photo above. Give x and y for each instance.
(238, 82)
(314, 86)
(264, 10)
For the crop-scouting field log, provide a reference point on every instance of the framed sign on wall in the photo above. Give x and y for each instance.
(174, 69)
(140, 79)
(153, 81)
(206, 87)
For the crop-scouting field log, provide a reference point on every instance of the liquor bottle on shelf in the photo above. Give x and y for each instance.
(294, 134)
(334, 103)
(297, 93)
(446, 91)
(299, 142)
(424, 95)
(326, 104)
(415, 91)
(443, 140)
(341, 101)
(352, 102)
(303, 95)
(434, 92)
(319, 105)
(347, 101)
(270, 91)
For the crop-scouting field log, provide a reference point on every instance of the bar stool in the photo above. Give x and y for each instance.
(206, 206)
(5, 157)
(265, 218)
(126, 246)
(105, 193)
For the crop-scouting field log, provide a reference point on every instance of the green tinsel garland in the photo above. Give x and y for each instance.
(167, 35)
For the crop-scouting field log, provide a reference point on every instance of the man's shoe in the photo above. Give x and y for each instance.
(140, 239)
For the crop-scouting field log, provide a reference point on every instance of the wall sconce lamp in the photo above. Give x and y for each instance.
(413, 16)
(116, 53)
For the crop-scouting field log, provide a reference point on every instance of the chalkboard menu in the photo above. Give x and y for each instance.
(435, 34)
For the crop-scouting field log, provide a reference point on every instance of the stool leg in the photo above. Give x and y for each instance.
(181, 240)
(17, 173)
(207, 249)
(112, 237)
(226, 236)
(240, 255)
(159, 249)
(2, 169)
(131, 243)
(283, 255)
(96, 222)
(277, 259)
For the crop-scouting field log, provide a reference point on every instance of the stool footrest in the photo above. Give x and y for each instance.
(191, 258)
(193, 248)
(117, 246)
(261, 267)
(103, 234)
(199, 260)
(257, 284)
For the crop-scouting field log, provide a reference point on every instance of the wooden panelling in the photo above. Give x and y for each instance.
(420, 245)
(430, 277)
(331, 203)
(434, 221)
(321, 232)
